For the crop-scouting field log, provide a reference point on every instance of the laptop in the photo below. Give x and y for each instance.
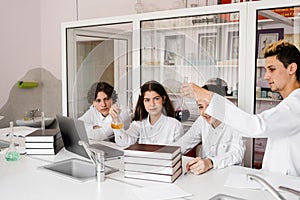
(4, 144)
(72, 130)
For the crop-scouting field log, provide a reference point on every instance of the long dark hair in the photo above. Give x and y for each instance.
(140, 110)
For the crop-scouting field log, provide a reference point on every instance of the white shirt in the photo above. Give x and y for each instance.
(165, 131)
(280, 124)
(93, 117)
(223, 145)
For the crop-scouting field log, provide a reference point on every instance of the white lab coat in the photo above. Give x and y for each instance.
(223, 145)
(93, 117)
(165, 131)
(281, 125)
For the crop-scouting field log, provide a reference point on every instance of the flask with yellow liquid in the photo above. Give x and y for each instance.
(117, 124)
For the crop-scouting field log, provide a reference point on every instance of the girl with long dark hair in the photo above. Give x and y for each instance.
(153, 121)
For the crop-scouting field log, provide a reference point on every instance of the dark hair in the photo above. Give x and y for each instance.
(216, 89)
(216, 85)
(286, 53)
(140, 110)
(102, 87)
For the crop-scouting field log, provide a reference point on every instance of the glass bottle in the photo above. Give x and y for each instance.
(117, 123)
(42, 121)
(12, 153)
(100, 166)
(182, 113)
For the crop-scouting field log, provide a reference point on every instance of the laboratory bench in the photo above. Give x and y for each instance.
(24, 179)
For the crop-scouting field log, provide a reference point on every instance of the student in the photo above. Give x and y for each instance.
(97, 119)
(153, 120)
(279, 124)
(222, 146)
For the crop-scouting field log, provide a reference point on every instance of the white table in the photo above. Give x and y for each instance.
(23, 180)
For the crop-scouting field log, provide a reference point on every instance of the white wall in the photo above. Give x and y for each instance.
(20, 48)
(53, 13)
(103, 8)
(30, 38)
(30, 31)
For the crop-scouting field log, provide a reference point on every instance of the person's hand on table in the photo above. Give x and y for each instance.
(199, 165)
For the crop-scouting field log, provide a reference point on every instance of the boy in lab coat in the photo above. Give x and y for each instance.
(96, 119)
(279, 124)
(222, 146)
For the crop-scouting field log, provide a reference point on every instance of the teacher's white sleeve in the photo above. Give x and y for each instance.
(281, 120)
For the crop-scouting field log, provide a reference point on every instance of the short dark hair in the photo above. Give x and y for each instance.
(216, 85)
(216, 89)
(286, 53)
(101, 87)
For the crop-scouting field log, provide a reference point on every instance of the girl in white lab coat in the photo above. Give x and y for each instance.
(153, 120)
(279, 124)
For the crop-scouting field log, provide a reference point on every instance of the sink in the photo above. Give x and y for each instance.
(35, 122)
(75, 169)
(224, 197)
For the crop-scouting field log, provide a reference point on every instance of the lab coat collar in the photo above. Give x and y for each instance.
(220, 127)
(99, 114)
(159, 121)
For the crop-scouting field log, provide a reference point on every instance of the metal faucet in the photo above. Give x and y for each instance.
(266, 185)
(32, 113)
(97, 158)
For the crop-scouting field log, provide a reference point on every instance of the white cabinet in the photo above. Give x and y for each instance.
(199, 43)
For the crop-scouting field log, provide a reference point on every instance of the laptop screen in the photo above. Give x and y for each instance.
(72, 130)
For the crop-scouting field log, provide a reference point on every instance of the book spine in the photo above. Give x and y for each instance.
(43, 138)
(40, 152)
(148, 161)
(44, 151)
(42, 145)
(154, 177)
(39, 139)
(144, 154)
(152, 169)
(153, 161)
(45, 145)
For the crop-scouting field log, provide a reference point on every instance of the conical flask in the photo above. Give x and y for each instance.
(12, 153)
(182, 113)
(117, 123)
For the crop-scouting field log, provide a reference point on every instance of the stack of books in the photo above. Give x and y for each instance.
(153, 162)
(43, 142)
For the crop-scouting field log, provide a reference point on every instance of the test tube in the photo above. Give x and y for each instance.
(43, 121)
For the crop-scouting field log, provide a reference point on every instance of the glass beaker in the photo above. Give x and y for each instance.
(182, 113)
(26, 116)
(12, 153)
(117, 123)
